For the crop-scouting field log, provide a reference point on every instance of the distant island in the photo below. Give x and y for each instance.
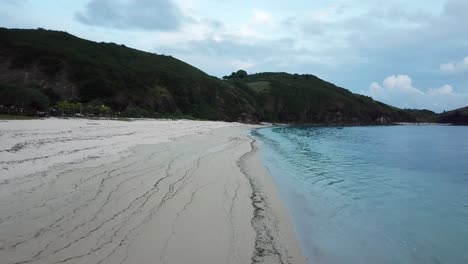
(52, 72)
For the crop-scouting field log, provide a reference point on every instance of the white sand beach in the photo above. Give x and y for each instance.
(145, 191)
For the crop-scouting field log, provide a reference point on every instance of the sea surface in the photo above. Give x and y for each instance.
(394, 194)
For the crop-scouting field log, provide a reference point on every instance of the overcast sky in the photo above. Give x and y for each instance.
(411, 54)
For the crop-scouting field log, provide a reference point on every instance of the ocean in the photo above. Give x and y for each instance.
(389, 194)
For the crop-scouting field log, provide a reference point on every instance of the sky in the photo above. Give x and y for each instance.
(410, 54)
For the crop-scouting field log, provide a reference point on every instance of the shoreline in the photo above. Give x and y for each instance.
(202, 197)
(275, 241)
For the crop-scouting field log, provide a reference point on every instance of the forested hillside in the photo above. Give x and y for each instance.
(43, 69)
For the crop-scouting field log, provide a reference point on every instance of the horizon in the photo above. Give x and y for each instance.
(420, 60)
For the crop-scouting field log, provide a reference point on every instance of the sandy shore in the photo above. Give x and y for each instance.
(81, 191)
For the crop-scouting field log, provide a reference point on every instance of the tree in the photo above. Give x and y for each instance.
(104, 110)
(68, 108)
(240, 74)
(28, 98)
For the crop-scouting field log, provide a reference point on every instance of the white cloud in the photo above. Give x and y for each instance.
(400, 83)
(398, 90)
(444, 90)
(455, 66)
(242, 64)
(261, 16)
(245, 32)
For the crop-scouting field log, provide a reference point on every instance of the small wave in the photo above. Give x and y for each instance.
(334, 182)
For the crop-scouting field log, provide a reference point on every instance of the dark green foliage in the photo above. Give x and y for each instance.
(423, 116)
(137, 112)
(134, 83)
(206, 111)
(97, 87)
(28, 98)
(94, 108)
(305, 98)
(240, 74)
(16, 117)
(50, 66)
(120, 77)
(457, 117)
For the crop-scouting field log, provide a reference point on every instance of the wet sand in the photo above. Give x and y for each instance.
(81, 191)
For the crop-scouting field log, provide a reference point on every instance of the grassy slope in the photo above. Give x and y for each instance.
(306, 98)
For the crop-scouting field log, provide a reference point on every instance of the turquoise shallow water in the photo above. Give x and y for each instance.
(394, 194)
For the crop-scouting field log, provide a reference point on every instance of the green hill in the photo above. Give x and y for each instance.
(306, 98)
(456, 117)
(64, 67)
(39, 68)
(423, 116)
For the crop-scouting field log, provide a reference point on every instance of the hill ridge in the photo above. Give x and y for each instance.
(47, 67)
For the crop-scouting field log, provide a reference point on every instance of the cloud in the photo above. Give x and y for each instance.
(262, 17)
(229, 53)
(454, 67)
(242, 64)
(13, 2)
(231, 46)
(347, 44)
(161, 15)
(395, 84)
(456, 8)
(444, 90)
(398, 90)
(396, 13)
